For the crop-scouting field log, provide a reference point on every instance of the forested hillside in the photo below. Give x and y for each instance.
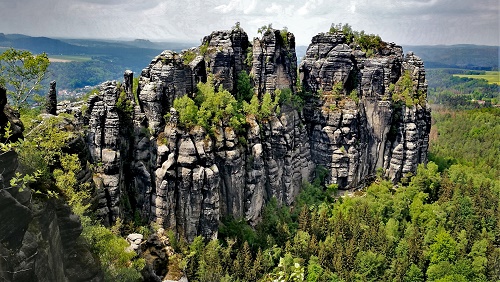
(446, 88)
(443, 224)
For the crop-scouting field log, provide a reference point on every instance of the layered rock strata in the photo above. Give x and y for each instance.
(188, 179)
(355, 125)
(274, 63)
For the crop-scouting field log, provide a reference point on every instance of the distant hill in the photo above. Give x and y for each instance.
(109, 58)
(463, 56)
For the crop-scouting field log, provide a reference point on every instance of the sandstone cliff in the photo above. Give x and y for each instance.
(355, 124)
(39, 239)
(188, 179)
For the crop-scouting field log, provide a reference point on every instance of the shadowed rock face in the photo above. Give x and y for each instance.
(188, 180)
(51, 99)
(40, 239)
(9, 116)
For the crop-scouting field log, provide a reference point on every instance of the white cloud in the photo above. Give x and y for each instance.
(230, 7)
(309, 6)
(274, 9)
(402, 21)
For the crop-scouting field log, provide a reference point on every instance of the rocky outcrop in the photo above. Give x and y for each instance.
(51, 99)
(355, 125)
(274, 64)
(188, 179)
(224, 54)
(166, 78)
(104, 141)
(202, 178)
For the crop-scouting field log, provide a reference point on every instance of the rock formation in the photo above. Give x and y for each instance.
(355, 126)
(188, 179)
(9, 117)
(274, 64)
(40, 239)
(51, 101)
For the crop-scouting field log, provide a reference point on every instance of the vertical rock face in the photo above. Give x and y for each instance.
(327, 61)
(104, 144)
(274, 64)
(9, 116)
(225, 54)
(51, 106)
(188, 179)
(166, 78)
(355, 125)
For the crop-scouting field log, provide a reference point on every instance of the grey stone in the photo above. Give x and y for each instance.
(51, 99)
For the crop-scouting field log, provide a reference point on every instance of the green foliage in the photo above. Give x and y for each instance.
(371, 44)
(405, 91)
(244, 89)
(237, 26)
(253, 108)
(21, 73)
(42, 148)
(7, 145)
(284, 35)
(22, 181)
(43, 151)
(124, 105)
(443, 249)
(460, 92)
(210, 108)
(441, 225)
(204, 49)
(468, 137)
(187, 111)
(118, 264)
(188, 56)
(354, 95)
(249, 57)
(265, 29)
(267, 106)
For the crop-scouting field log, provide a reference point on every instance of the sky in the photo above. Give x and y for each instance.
(406, 22)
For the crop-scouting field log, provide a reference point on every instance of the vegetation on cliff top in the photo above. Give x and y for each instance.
(371, 44)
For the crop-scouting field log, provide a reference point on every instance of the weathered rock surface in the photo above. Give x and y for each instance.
(274, 64)
(105, 143)
(224, 54)
(166, 78)
(188, 179)
(9, 116)
(355, 126)
(40, 242)
(51, 99)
